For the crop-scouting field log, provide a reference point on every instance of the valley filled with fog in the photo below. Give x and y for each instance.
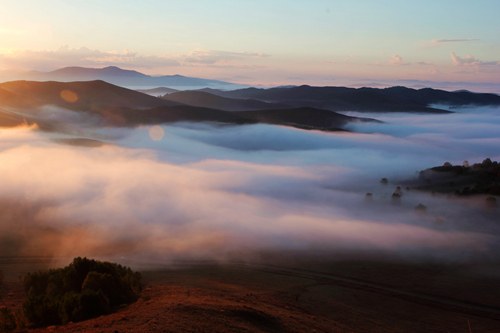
(211, 191)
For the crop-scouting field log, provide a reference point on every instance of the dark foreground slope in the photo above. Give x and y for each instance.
(395, 99)
(344, 296)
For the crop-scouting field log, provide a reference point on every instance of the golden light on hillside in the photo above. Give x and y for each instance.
(156, 133)
(69, 96)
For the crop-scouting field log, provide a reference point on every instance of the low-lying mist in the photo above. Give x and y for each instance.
(206, 191)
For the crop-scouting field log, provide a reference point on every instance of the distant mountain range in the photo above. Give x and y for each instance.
(394, 99)
(302, 107)
(117, 106)
(117, 76)
(160, 91)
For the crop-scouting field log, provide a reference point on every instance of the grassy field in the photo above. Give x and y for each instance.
(308, 296)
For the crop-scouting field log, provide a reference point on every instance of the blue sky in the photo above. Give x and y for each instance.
(259, 41)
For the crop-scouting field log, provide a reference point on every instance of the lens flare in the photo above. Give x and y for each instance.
(156, 133)
(69, 96)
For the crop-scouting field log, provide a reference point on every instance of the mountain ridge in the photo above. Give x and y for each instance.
(122, 77)
(393, 99)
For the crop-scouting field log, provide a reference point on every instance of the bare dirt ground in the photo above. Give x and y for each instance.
(347, 296)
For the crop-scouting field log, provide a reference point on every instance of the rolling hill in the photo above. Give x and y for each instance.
(303, 118)
(81, 96)
(11, 99)
(207, 100)
(395, 99)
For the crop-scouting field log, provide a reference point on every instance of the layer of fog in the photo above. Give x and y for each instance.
(207, 191)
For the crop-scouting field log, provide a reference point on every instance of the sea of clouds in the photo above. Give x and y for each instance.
(207, 191)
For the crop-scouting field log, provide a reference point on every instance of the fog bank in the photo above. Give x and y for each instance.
(204, 191)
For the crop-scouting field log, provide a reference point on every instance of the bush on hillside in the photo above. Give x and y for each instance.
(7, 320)
(84, 289)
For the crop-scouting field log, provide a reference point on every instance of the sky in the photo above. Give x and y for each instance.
(259, 42)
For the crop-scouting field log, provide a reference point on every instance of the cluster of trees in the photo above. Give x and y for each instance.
(82, 290)
(485, 175)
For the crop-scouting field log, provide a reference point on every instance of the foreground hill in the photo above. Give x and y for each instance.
(395, 99)
(77, 95)
(207, 100)
(337, 296)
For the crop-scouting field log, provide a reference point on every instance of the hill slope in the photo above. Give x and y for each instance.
(12, 100)
(304, 118)
(395, 99)
(207, 100)
(435, 96)
(82, 96)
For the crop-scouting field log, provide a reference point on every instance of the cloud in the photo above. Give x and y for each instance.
(398, 61)
(66, 56)
(206, 57)
(453, 40)
(469, 60)
(423, 63)
(205, 191)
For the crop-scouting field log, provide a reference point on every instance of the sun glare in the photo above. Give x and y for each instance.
(156, 133)
(69, 96)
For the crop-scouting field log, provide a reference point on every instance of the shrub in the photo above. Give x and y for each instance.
(84, 289)
(93, 303)
(7, 320)
(491, 202)
(421, 208)
(41, 310)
